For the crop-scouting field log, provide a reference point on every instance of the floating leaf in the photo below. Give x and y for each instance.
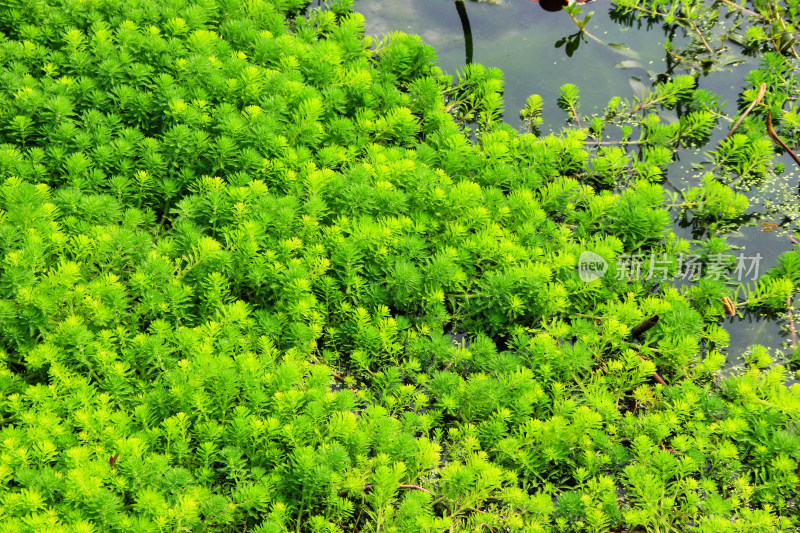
(625, 50)
(629, 63)
(639, 88)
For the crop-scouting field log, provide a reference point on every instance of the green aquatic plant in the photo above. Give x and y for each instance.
(714, 203)
(238, 242)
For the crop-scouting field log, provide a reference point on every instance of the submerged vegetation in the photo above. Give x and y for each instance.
(239, 240)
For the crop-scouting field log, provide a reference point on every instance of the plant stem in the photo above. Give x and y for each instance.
(778, 139)
(575, 115)
(299, 517)
(673, 54)
(702, 38)
(617, 143)
(654, 13)
(741, 8)
(656, 376)
(791, 322)
(777, 17)
(676, 189)
(584, 31)
(761, 91)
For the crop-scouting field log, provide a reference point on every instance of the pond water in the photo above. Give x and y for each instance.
(529, 45)
(520, 38)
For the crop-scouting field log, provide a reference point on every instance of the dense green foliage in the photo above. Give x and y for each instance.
(236, 239)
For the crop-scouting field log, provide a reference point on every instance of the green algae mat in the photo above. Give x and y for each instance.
(262, 273)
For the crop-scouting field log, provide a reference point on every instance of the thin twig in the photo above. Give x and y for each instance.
(586, 33)
(673, 54)
(761, 91)
(659, 379)
(487, 525)
(657, 13)
(416, 487)
(675, 188)
(778, 139)
(575, 115)
(340, 378)
(743, 9)
(656, 375)
(710, 51)
(584, 30)
(617, 143)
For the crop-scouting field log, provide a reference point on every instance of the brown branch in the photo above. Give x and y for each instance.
(487, 526)
(656, 376)
(639, 330)
(755, 102)
(416, 487)
(705, 43)
(659, 379)
(340, 378)
(778, 139)
(740, 8)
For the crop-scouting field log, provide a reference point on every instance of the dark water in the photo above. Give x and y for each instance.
(528, 44)
(519, 37)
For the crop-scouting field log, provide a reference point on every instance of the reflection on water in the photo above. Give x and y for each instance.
(520, 38)
(462, 14)
(755, 328)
